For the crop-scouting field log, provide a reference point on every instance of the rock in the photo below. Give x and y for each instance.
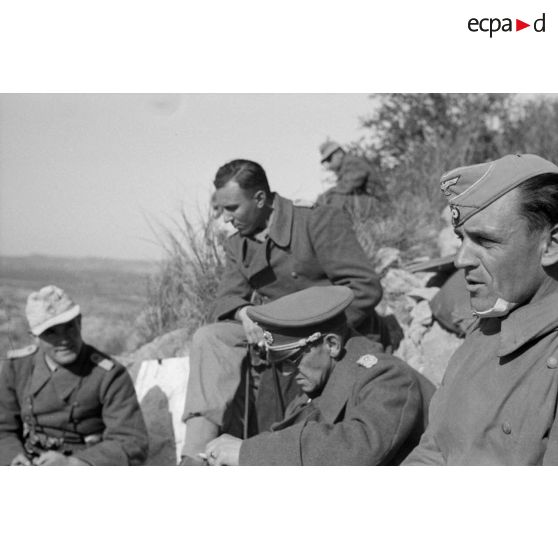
(421, 314)
(173, 344)
(161, 390)
(385, 258)
(399, 281)
(424, 293)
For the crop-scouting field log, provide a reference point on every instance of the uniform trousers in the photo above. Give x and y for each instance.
(218, 357)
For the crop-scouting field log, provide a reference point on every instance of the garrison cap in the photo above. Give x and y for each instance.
(49, 307)
(298, 319)
(328, 148)
(471, 189)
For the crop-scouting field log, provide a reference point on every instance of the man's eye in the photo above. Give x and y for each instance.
(484, 241)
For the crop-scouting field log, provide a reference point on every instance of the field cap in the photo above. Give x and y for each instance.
(471, 189)
(49, 307)
(328, 148)
(299, 319)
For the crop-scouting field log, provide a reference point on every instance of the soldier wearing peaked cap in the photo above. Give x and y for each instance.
(498, 399)
(62, 402)
(358, 406)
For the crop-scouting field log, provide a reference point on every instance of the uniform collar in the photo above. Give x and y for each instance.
(528, 323)
(41, 372)
(281, 226)
(342, 379)
(64, 380)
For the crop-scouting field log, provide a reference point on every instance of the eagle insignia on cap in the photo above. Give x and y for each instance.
(454, 214)
(268, 338)
(367, 361)
(446, 184)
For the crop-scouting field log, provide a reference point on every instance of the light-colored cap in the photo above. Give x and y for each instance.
(471, 189)
(328, 148)
(49, 307)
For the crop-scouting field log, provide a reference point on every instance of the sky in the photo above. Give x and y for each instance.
(90, 174)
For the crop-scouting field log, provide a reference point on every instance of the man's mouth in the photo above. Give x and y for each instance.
(299, 379)
(65, 349)
(473, 284)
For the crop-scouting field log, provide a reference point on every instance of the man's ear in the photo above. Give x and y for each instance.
(260, 197)
(334, 344)
(550, 252)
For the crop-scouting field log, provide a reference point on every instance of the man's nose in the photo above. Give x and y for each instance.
(465, 256)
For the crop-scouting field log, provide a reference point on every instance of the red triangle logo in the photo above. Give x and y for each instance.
(519, 25)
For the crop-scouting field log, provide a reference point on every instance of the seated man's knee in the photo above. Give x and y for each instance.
(225, 332)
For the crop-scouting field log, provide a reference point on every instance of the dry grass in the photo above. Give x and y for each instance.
(181, 293)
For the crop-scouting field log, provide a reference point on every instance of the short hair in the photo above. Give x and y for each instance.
(538, 201)
(249, 175)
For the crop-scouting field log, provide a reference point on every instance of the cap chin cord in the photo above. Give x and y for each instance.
(295, 344)
(500, 308)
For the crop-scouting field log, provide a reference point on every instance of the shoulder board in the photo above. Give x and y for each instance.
(102, 361)
(20, 353)
(367, 361)
(303, 203)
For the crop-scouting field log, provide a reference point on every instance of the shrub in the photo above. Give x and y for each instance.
(182, 292)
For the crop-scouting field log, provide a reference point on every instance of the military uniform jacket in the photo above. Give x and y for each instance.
(497, 403)
(306, 246)
(358, 187)
(99, 400)
(369, 413)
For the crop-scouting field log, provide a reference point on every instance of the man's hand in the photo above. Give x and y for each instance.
(20, 459)
(253, 332)
(224, 450)
(57, 458)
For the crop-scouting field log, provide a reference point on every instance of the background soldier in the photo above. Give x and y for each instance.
(497, 403)
(358, 190)
(63, 402)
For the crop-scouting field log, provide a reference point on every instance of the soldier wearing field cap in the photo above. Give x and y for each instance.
(359, 189)
(498, 400)
(62, 402)
(359, 406)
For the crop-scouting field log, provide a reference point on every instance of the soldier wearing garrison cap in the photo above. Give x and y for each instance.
(498, 400)
(279, 247)
(359, 189)
(62, 402)
(358, 405)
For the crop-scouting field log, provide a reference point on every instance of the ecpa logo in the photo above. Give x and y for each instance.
(494, 24)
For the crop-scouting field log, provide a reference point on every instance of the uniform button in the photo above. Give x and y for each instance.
(294, 274)
(552, 362)
(506, 428)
